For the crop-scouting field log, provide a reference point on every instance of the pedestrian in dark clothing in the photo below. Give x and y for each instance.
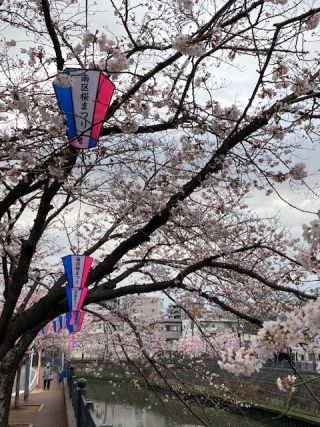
(47, 377)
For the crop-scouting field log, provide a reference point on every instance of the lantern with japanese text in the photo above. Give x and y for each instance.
(76, 269)
(84, 98)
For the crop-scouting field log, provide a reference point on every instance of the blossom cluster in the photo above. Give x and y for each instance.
(185, 45)
(311, 232)
(87, 39)
(312, 22)
(280, 70)
(198, 345)
(130, 126)
(185, 4)
(118, 62)
(301, 326)
(298, 171)
(301, 85)
(287, 384)
(105, 44)
(298, 327)
(240, 362)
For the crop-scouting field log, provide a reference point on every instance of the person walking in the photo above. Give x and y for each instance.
(47, 376)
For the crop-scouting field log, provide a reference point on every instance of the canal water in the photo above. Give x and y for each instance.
(122, 405)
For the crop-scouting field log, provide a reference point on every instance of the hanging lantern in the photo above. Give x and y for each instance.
(45, 330)
(72, 342)
(76, 325)
(84, 101)
(77, 269)
(75, 297)
(62, 321)
(68, 324)
(56, 324)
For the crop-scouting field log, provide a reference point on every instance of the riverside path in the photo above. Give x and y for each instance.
(45, 408)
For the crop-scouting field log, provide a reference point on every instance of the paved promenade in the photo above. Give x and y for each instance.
(45, 408)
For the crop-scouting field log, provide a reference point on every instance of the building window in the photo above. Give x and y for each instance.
(173, 328)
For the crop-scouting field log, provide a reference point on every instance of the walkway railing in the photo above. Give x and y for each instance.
(83, 408)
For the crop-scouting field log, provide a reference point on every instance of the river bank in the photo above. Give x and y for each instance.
(277, 414)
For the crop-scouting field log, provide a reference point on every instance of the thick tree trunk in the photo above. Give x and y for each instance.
(7, 374)
(11, 355)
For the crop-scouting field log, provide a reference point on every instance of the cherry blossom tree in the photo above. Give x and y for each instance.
(213, 346)
(161, 203)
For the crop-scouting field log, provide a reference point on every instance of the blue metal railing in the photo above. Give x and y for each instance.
(83, 408)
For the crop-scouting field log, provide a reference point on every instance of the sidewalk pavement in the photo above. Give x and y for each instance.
(45, 408)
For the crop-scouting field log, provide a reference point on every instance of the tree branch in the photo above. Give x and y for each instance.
(53, 35)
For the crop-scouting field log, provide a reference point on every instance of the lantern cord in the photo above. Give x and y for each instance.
(85, 50)
(80, 204)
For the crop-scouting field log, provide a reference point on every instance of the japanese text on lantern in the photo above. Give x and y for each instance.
(77, 276)
(84, 97)
(75, 298)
